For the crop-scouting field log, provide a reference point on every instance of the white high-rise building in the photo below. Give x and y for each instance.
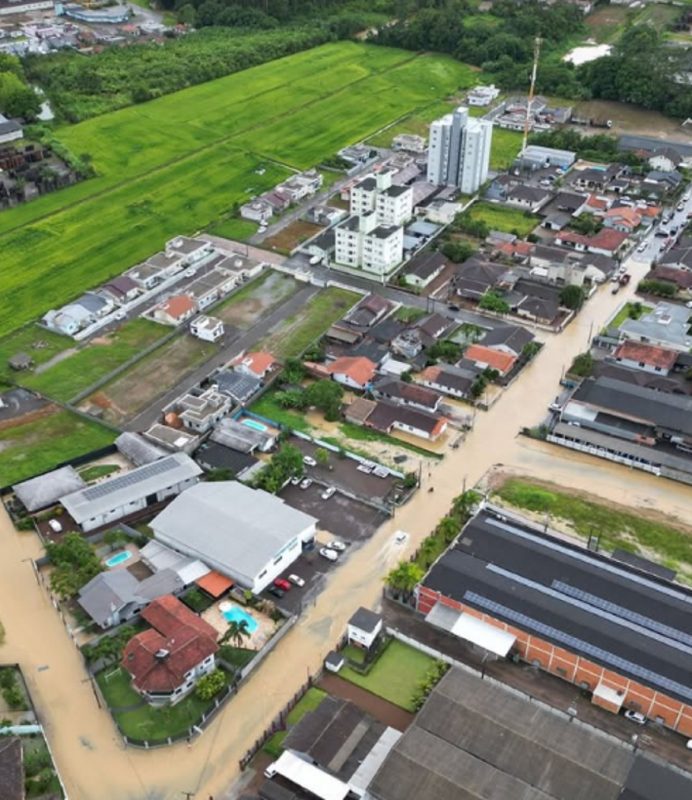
(363, 243)
(459, 153)
(392, 204)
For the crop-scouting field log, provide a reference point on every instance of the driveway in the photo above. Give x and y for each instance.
(17, 402)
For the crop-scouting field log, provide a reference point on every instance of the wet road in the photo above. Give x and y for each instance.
(91, 758)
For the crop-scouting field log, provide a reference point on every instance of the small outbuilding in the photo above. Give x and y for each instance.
(45, 490)
(20, 361)
(364, 627)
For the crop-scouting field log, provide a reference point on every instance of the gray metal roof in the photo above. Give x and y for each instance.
(137, 449)
(125, 488)
(365, 619)
(233, 434)
(236, 384)
(234, 529)
(44, 490)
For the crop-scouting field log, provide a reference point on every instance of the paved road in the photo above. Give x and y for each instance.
(89, 753)
(233, 344)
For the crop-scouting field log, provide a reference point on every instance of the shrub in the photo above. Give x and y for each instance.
(210, 685)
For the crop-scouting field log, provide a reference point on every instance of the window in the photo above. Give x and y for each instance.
(262, 574)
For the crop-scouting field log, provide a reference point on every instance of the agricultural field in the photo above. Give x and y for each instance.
(177, 163)
(94, 361)
(42, 443)
(503, 218)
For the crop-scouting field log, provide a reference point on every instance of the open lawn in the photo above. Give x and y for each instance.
(616, 526)
(267, 407)
(234, 228)
(133, 390)
(70, 376)
(504, 148)
(40, 445)
(291, 236)
(36, 342)
(629, 311)
(245, 306)
(395, 675)
(607, 22)
(174, 164)
(504, 218)
(308, 702)
(298, 332)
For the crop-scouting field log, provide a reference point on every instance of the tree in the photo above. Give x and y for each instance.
(75, 563)
(210, 685)
(410, 480)
(285, 464)
(478, 386)
(457, 251)
(322, 456)
(405, 577)
(530, 350)
(327, 396)
(446, 350)
(582, 366)
(586, 224)
(572, 297)
(16, 98)
(493, 301)
(293, 398)
(294, 371)
(236, 632)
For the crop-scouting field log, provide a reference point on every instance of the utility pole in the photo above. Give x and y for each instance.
(536, 52)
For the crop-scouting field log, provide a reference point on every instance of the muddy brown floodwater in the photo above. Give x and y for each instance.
(91, 757)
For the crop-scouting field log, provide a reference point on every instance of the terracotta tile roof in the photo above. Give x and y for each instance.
(258, 362)
(626, 215)
(358, 368)
(430, 373)
(647, 354)
(495, 359)
(516, 248)
(178, 305)
(605, 239)
(214, 583)
(184, 638)
(596, 202)
(650, 211)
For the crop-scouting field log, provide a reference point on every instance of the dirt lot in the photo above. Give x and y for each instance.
(135, 389)
(382, 710)
(605, 22)
(244, 307)
(20, 406)
(291, 236)
(630, 119)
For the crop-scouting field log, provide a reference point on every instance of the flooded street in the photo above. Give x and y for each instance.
(90, 756)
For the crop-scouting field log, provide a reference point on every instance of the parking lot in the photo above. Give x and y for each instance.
(343, 473)
(17, 402)
(313, 569)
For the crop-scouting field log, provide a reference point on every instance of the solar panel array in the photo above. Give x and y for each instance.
(133, 478)
(579, 645)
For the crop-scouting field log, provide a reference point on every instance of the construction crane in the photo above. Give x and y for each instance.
(536, 52)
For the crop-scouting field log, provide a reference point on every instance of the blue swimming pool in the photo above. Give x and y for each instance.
(236, 614)
(252, 423)
(118, 558)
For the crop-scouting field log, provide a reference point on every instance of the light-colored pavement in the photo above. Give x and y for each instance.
(91, 758)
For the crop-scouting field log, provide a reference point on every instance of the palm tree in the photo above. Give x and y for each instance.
(237, 631)
(405, 577)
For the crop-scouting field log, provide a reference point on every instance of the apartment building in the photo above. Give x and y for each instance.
(393, 205)
(459, 152)
(363, 243)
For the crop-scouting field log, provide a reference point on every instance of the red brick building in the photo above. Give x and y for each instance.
(620, 633)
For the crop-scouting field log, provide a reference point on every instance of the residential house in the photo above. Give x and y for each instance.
(167, 660)
(681, 278)
(538, 302)
(386, 417)
(665, 159)
(668, 325)
(154, 271)
(303, 185)
(210, 287)
(79, 314)
(489, 358)
(409, 142)
(607, 241)
(10, 130)
(355, 372)
(482, 95)
(200, 410)
(657, 183)
(172, 438)
(136, 449)
(278, 200)
(363, 628)
(242, 267)
(475, 277)
(178, 308)
(258, 364)
(595, 204)
(528, 198)
(243, 437)
(122, 289)
(45, 490)
(646, 357)
(189, 249)
(369, 311)
(679, 257)
(214, 456)
(130, 492)
(247, 534)
(511, 339)
(358, 410)
(434, 327)
(208, 329)
(358, 154)
(439, 211)
(407, 394)
(325, 215)
(449, 380)
(424, 268)
(258, 210)
(239, 385)
(596, 178)
(622, 218)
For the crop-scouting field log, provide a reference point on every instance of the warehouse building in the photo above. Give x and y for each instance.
(617, 632)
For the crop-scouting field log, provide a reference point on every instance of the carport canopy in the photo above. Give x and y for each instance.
(472, 629)
(309, 777)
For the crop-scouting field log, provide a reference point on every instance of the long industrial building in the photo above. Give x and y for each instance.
(616, 631)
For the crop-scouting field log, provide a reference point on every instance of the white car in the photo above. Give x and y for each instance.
(636, 717)
(335, 544)
(686, 196)
(295, 481)
(381, 472)
(366, 468)
(642, 247)
(306, 484)
(327, 493)
(296, 580)
(330, 555)
(309, 461)
(54, 525)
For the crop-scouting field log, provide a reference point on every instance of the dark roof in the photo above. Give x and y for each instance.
(639, 627)
(633, 142)
(365, 619)
(212, 455)
(11, 768)
(368, 184)
(387, 330)
(453, 378)
(669, 411)
(236, 384)
(384, 231)
(385, 414)
(512, 336)
(122, 284)
(9, 126)
(395, 191)
(426, 264)
(434, 325)
(474, 277)
(643, 564)
(529, 193)
(669, 153)
(651, 780)
(407, 392)
(477, 739)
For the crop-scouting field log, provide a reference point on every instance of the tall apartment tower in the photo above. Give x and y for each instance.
(459, 153)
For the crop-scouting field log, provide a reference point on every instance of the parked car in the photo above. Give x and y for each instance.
(295, 480)
(615, 278)
(54, 525)
(278, 593)
(615, 289)
(296, 580)
(330, 555)
(686, 196)
(680, 207)
(381, 472)
(335, 544)
(453, 307)
(327, 493)
(282, 584)
(625, 279)
(635, 716)
(642, 247)
(400, 537)
(306, 484)
(309, 461)
(270, 771)
(365, 467)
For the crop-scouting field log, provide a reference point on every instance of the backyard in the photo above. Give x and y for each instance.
(503, 218)
(652, 537)
(31, 448)
(629, 311)
(244, 307)
(94, 361)
(183, 160)
(308, 702)
(395, 675)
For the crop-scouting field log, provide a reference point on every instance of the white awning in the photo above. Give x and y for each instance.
(309, 777)
(484, 635)
(609, 695)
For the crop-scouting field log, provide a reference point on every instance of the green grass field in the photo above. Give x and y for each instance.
(38, 446)
(234, 228)
(395, 675)
(505, 147)
(40, 344)
(179, 162)
(615, 526)
(77, 372)
(503, 218)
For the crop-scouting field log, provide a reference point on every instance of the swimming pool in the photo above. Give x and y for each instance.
(233, 613)
(118, 558)
(252, 423)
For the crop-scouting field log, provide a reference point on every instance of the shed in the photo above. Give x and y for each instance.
(46, 490)
(20, 361)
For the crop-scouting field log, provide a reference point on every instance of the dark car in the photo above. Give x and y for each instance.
(625, 279)
(276, 591)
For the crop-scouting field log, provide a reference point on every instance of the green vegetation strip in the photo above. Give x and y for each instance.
(395, 675)
(629, 311)
(308, 702)
(616, 527)
(503, 218)
(351, 431)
